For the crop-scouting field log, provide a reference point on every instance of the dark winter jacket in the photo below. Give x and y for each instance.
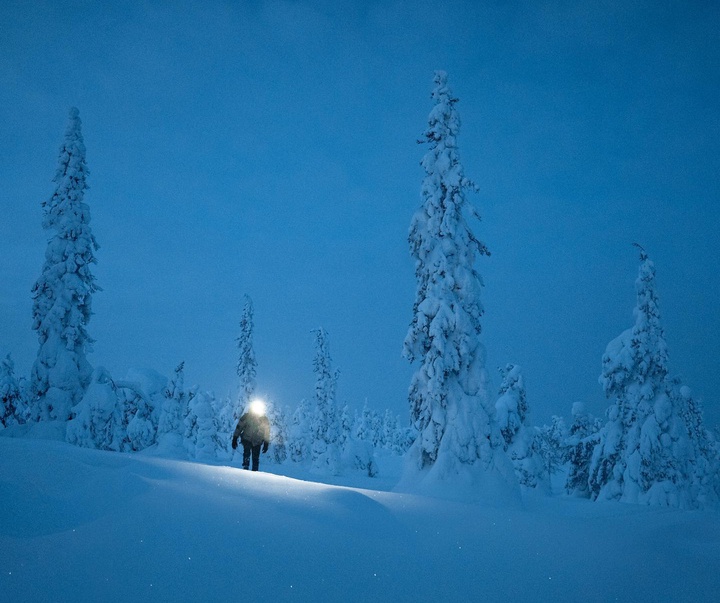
(253, 428)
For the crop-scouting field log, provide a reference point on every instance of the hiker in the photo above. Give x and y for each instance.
(253, 429)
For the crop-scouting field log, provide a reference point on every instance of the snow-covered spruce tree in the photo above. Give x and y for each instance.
(324, 429)
(277, 417)
(24, 405)
(552, 446)
(299, 432)
(511, 411)
(135, 431)
(118, 414)
(449, 402)
(229, 413)
(171, 428)
(364, 425)
(201, 428)
(62, 295)
(141, 430)
(224, 410)
(641, 456)
(511, 407)
(347, 421)
(360, 456)
(704, 466)
(247, 365)
(99, 420)
(389, 429)
(583, 436)
(10, 397)
(377, 429)
(359, 451)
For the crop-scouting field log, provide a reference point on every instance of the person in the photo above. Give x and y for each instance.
(253, 429)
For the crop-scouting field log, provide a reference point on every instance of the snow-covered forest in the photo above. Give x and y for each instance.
(479, 305)
(652, 446)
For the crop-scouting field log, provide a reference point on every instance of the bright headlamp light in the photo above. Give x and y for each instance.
(257, 407)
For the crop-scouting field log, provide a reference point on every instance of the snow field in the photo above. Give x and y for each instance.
(86, 525)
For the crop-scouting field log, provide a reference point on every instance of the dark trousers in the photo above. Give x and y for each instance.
(249, 449)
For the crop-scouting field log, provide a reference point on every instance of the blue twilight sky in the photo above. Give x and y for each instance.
(269, 148)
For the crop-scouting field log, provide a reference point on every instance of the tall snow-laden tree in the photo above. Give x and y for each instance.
(62, 296)
(449, 402)
(325, 429)
(247, 365)
(641, 452)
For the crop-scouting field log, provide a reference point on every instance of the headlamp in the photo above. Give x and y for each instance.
(257, 407)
